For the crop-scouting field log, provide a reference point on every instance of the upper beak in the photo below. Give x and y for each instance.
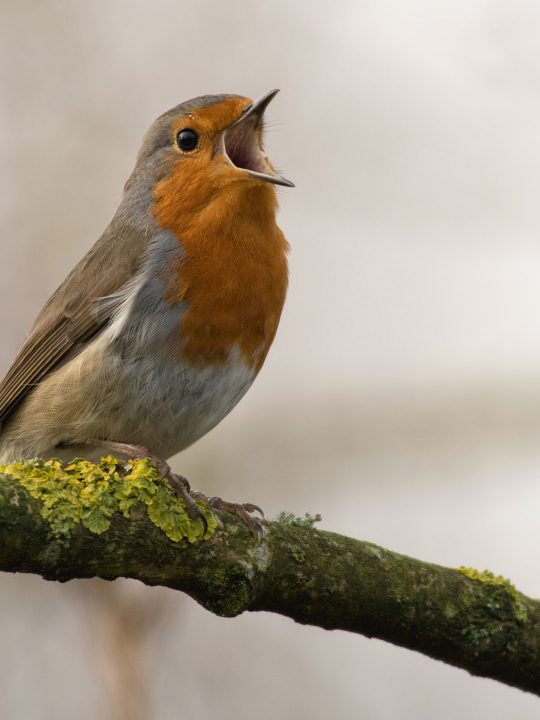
(242, 143)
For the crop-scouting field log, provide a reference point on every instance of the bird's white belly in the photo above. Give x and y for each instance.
(162, 403)
(167, 405)
(142, 399)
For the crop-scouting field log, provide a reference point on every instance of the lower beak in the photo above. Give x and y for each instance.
(242, 143)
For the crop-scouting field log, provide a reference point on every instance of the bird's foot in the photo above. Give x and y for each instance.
(178, 483)
(241, 510)
(181, 487)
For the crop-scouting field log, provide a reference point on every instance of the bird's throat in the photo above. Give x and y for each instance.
(232, 276)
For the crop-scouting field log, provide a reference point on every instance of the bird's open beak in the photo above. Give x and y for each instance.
(241, 142)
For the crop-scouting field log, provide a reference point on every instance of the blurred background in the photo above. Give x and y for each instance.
(401, 398)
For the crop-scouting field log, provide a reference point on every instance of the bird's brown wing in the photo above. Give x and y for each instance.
(73, 313)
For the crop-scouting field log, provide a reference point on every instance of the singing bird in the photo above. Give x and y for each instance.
(161, 328)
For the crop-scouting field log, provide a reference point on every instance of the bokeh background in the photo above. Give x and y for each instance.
(401, 398)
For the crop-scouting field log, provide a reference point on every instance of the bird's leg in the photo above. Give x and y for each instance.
(181, 487)
(178, 483)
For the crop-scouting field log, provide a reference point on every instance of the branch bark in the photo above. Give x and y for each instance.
(471, 620)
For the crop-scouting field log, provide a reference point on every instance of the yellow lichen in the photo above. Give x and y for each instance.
(88, 493)
(489, 578)
(485, 576)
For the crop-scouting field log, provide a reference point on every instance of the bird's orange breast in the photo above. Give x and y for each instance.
(233, 273)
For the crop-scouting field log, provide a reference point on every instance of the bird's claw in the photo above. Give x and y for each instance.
(251, 508)
(180, 485)
(242, 511)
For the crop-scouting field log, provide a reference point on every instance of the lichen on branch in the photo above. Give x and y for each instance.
(90, 494)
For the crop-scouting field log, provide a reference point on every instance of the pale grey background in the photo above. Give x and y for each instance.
(401, 398)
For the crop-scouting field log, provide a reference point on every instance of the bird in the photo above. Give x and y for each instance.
(161, 328)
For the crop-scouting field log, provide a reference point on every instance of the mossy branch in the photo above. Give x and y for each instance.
(105, 521)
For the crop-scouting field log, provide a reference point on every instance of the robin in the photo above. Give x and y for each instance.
(161, 328)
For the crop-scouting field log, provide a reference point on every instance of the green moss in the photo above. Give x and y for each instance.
(83, 492)
(235, 592)
(287, 518)
(298, 554)
(489, 578)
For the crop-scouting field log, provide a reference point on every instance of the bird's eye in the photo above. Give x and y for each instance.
(187, 140)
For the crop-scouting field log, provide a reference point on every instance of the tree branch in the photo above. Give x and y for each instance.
(474, 621)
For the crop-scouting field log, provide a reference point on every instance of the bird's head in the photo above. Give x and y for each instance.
(205, 150)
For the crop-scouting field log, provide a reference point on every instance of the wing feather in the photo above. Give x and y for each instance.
(75, 312)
